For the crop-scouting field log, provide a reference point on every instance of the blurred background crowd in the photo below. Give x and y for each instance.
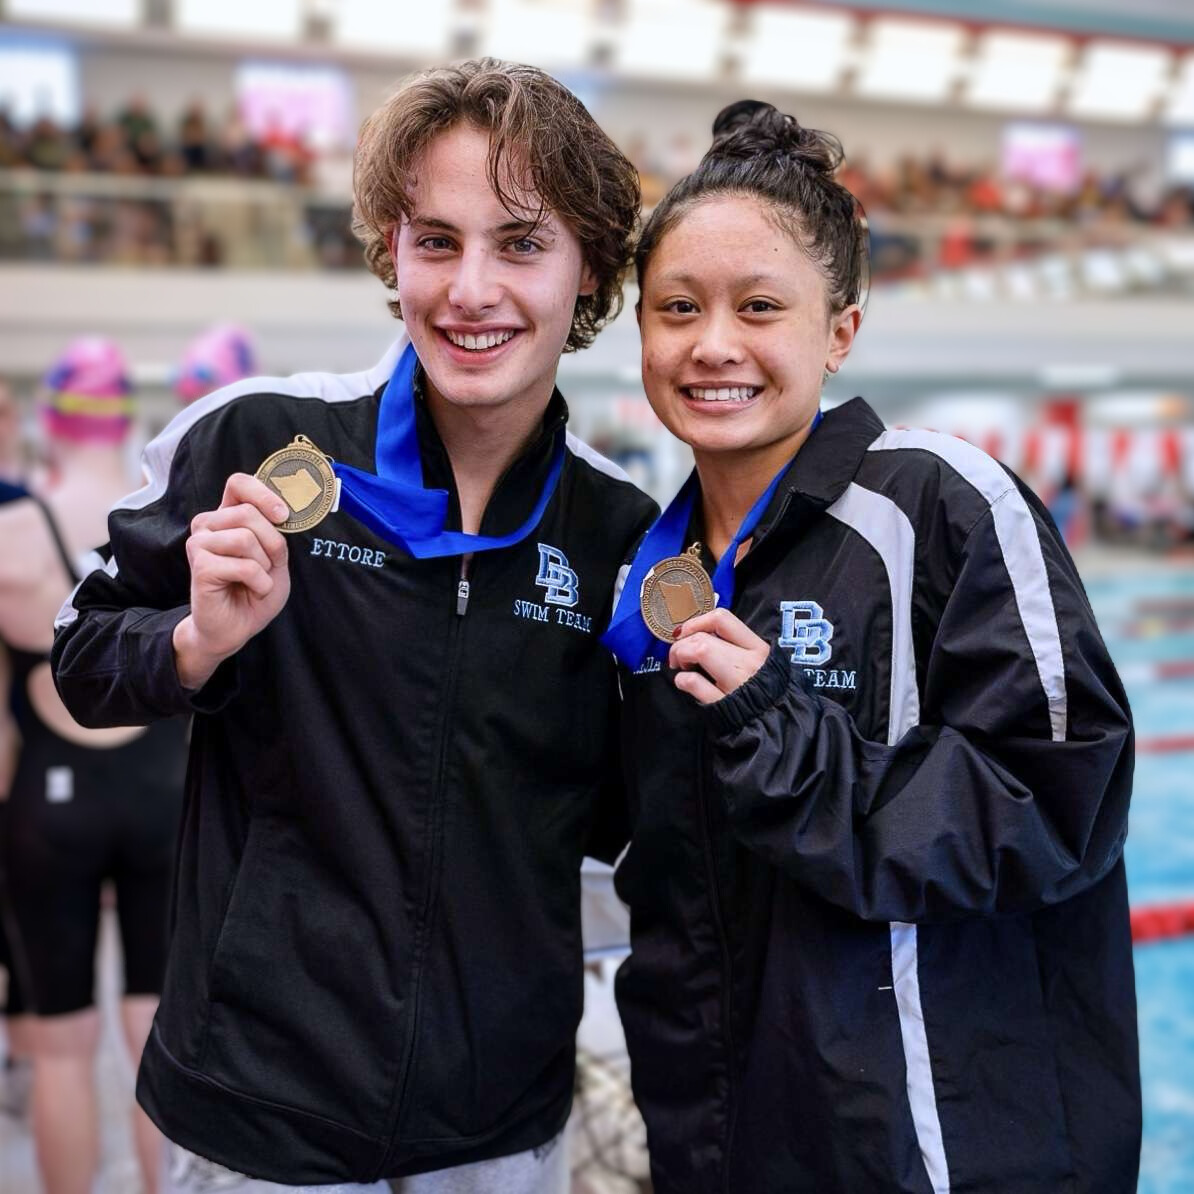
(169, 167)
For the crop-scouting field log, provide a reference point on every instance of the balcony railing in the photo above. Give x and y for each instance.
(249, 224)
(194, 221)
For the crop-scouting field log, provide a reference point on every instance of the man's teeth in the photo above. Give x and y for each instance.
(723, 393)
(476, 343)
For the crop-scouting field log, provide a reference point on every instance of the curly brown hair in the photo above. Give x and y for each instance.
(542, 142)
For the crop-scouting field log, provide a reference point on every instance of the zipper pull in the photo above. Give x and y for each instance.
(462, 598)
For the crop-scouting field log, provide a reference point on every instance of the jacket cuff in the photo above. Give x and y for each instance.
(761, 692)
(150, 643)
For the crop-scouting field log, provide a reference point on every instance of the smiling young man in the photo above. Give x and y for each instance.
(403, 718)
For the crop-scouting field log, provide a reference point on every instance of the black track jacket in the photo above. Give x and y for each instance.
(376, 962)
(878, 912)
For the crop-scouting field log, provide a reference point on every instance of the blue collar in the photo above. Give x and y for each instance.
(394, 503)
(628, 636)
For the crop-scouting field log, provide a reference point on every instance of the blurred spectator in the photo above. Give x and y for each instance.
(86, 807)
(978, 209)
(11, 144)
(285, 157)
(984, 193)
(46, 147)
(136, 120)
(88, 131)
(147, 149)
(239, 153)
(193, 139)
(133, 143)
(110, 151)
(215, 358)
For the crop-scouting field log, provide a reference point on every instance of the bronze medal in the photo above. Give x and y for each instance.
(301, 475)
(676, 589)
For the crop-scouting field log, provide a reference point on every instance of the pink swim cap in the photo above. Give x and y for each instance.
(216, 358)
(87, 396)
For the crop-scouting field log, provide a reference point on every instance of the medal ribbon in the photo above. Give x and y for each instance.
(394, 503)
(628, 635)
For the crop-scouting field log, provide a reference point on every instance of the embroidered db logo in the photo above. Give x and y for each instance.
(805, 631)
(557, 578)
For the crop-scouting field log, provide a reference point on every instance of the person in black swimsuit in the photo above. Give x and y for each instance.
(16, 1066)
(86, 807)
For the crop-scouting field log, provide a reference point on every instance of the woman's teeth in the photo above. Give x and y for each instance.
(477, 343)
(722, 393)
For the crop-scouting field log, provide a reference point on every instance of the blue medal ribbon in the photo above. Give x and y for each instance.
(394, 503)
(628, 635)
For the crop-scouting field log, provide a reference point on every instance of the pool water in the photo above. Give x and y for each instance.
(1160, 851)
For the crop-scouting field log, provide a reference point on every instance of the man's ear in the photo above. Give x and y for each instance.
(588, 282)
(638, 313)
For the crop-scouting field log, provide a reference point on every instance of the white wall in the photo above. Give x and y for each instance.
(109, 77)
(340, 322)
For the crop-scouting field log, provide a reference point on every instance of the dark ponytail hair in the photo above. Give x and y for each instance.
(759, 151)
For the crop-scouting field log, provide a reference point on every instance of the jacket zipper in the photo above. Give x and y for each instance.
(462, 592)
(727, 1001)
(727, 998)
(462, 589)
(433, 862)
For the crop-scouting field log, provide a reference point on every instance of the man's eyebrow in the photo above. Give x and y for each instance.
(432, 222)
(515, 225)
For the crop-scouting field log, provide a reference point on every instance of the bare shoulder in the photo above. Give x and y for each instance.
(28, 555)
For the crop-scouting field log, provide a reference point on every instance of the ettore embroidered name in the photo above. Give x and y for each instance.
(352, 553)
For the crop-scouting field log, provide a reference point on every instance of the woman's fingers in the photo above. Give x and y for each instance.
(726, 664)
(724, 625)
(723, 647)
(698, 686)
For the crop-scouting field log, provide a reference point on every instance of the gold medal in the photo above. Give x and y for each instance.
(676, 589)
(301, 475)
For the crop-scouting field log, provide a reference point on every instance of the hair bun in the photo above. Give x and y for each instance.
(751, 128)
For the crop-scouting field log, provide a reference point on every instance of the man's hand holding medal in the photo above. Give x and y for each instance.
(240, 577)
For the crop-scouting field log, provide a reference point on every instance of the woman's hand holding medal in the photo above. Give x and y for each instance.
(715, 653)
(240, 578)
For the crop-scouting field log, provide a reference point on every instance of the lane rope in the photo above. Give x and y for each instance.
(1162, 922)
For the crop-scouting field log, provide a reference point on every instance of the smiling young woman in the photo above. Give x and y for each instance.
(879, 793)
(737, 335)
